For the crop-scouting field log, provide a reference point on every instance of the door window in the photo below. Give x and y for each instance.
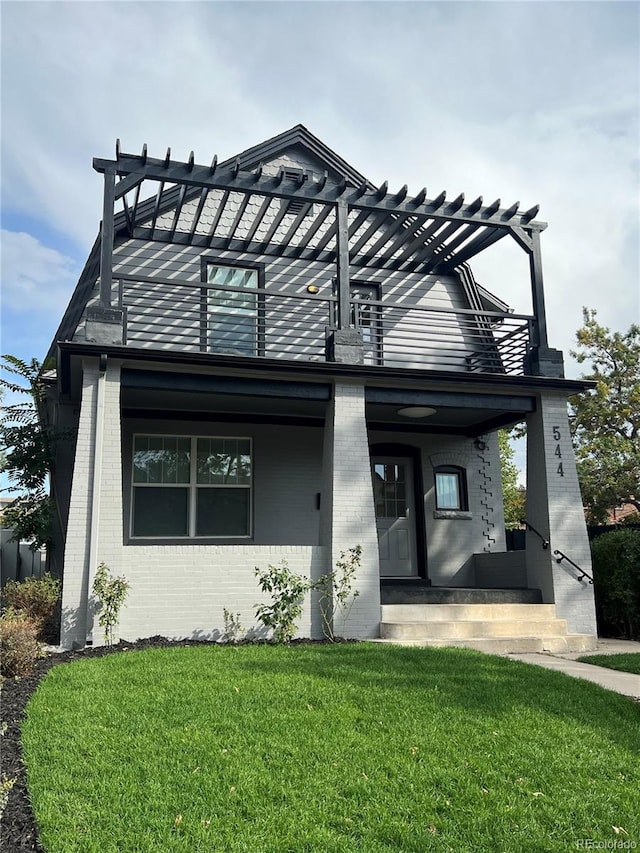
(390, 490)
(367, 318)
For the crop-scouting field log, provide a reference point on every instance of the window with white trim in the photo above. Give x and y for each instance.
(232, 321)
(191, 487)
(451, 488)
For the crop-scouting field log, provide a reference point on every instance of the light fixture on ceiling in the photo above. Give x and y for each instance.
(313, 288)
(416, 412)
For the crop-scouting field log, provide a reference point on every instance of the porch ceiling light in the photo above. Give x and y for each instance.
(416, 412)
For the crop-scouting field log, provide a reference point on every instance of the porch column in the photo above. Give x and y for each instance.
(75, 584)
(554, 508)
(348, 514)
(109, 538)
(94, 527)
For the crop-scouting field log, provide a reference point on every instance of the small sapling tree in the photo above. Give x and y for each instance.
(111, 591)
(337, 595)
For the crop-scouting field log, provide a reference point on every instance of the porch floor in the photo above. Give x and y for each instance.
(410, 591)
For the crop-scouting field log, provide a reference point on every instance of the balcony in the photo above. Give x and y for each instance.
(190, 316)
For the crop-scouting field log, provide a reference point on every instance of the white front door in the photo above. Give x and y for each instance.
(395, 515)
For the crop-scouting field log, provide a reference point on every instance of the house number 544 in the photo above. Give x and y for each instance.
(557, 435)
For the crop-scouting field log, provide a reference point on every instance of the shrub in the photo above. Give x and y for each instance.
(287, 593)
(616, 573)
(37, 597)
(111, 592)
(336, 590)
(19, 646)
(233, 630)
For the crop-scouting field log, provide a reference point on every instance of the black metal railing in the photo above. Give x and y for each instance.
(192, 316)
(545, 542)
(410, 335)
(560, 556)
(167, 313)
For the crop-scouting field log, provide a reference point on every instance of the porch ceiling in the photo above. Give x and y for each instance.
(159, 404)
(455, 412)
(470, 422)
(227, 207)
(186, 405)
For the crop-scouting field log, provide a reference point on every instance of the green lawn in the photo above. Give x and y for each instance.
(624, 662)
(353, 747)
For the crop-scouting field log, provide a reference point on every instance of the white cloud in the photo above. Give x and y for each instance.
(491, 99)
(35, 279)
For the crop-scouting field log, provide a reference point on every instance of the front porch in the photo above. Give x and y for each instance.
(311, 441)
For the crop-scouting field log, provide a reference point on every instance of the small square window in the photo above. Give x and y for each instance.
(451, 491)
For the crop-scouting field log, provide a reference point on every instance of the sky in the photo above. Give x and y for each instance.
(536, 102)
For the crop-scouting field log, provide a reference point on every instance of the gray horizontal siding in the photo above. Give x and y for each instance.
(139, 257)
(171, 316)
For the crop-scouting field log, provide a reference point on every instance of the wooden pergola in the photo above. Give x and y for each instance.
(346, 224)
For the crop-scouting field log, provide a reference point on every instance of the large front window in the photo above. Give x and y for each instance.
(191, 487)
(232, 315)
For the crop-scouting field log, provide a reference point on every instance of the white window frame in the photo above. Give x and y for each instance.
(461, 487)
(192, 488)
(255, 315)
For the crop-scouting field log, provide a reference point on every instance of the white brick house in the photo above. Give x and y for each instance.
(271, 358)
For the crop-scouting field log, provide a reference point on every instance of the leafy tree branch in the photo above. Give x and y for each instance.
(27, 445)
(605, 420)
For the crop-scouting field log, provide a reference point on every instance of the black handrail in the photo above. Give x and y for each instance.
(560, 556)
(545, 542)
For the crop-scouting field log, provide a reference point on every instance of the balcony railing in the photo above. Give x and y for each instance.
(195, 317)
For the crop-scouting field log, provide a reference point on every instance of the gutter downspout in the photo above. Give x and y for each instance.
(96, 492)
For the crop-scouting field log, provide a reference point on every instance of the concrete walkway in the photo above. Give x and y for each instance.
(621, 682)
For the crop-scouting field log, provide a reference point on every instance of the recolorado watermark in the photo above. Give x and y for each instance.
(612, 844)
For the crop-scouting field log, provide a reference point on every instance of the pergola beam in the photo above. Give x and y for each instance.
(234, 179)
(445, 249)
(315, 227)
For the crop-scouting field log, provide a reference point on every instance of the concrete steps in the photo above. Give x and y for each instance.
(419, 592)
(490, 627)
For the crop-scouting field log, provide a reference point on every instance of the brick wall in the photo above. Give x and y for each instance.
(76, 555)
(554, 507)
(176, 590)
(348, 515)
(181, 590)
